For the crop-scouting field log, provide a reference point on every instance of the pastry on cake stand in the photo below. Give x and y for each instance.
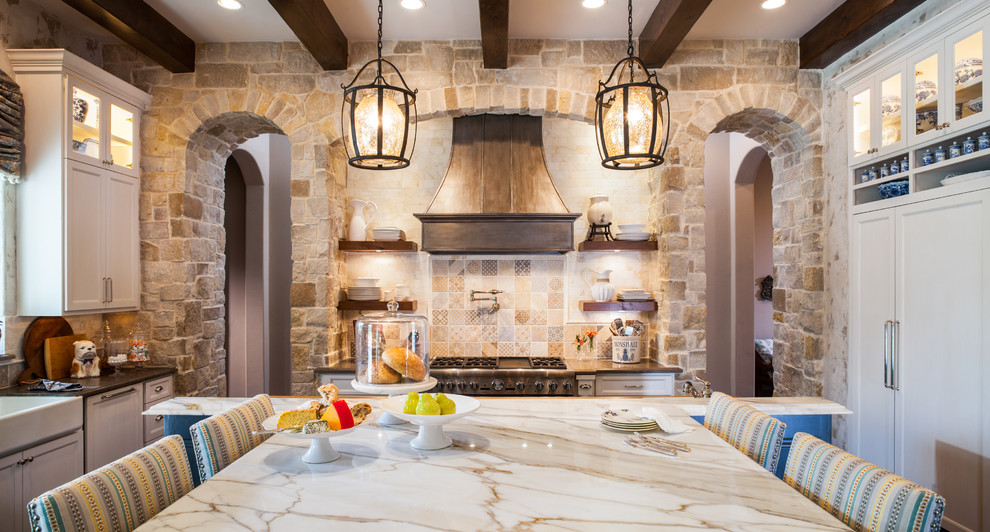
(320, 451)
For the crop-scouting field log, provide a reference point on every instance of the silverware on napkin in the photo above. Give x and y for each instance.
(664, 441)
(651, 446)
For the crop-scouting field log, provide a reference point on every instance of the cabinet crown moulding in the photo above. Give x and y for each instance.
(59, 60)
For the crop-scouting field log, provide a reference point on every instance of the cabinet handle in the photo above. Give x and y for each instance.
(159, 388)
(118, 394)
(159, 417)
(886, 354)
(633, 386)
(23, 461)
(895, 355)
(584, 386)
(111, 290)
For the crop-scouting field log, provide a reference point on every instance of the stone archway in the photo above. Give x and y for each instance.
(788, 126)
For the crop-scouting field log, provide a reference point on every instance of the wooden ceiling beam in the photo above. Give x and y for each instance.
(494, 32)
(316, 28)
(848, 26)
(140, 26)
(670, 23)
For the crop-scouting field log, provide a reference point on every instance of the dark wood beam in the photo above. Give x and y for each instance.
(315, 26)
(140, 26)
(670, 23)
(494, 32)
(849, 26)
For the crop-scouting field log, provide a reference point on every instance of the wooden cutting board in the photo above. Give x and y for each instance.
(34, 344)
(59, 353)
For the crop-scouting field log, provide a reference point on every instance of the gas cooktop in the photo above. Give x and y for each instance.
(527, 376)
(499, 362)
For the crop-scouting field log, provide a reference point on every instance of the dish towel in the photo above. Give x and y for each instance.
(668, 425)
(56, 386)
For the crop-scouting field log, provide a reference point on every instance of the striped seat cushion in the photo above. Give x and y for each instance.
(858, 493)
(119, 496)
(756, 434)
(219, 440)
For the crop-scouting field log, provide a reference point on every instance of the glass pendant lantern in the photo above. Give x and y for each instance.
(378, 120)
(632, 118)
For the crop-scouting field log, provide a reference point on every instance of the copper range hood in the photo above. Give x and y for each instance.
(497, 195)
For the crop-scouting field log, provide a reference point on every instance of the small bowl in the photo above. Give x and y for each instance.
(632, 228)
(365, 281)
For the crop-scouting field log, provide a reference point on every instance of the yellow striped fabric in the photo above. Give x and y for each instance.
(120, 496)
(861, 495)
(219, 440)
(756, 434)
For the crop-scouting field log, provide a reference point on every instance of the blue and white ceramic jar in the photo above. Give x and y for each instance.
(927, 158)
(968, 146)
(884, 172)
(983, 141)
(905, 164)
(940, 154)
(894, 167)
(955, 150)
(873, 173)
(864, 176)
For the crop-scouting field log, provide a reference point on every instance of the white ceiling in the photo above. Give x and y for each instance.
(205, 21)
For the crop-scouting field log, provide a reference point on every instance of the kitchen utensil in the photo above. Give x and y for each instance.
(615, 326)
(358, 228)
(637, 326)
(59, 353)
(320, 451)
(601, 287)
(34, 344)
(431, 436)
(670, 443)
(669, 451)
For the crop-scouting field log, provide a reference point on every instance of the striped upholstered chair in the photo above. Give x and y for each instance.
(861, 495)
(119, 496)
(219, 440)
(756, 434)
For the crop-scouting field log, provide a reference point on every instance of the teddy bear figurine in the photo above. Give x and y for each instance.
(87, 362)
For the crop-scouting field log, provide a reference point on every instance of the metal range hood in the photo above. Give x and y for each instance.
(497, 195)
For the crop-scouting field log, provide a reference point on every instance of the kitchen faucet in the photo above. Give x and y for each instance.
(705, 392)
(494, 298)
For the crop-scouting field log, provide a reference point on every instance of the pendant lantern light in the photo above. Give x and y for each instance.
(378, 120)
(632, 119)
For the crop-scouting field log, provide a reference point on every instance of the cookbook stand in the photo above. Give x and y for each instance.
(393, 390)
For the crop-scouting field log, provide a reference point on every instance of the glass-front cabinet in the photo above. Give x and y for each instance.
(878, 115)
(967, 50)
(102, 129)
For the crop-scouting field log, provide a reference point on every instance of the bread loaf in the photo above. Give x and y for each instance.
(380, 373)
(405, 362)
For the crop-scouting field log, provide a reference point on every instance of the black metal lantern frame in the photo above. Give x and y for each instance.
(385, 151)
(624, 155)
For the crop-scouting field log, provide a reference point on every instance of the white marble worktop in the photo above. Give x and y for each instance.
(208, 406)
(516, 464)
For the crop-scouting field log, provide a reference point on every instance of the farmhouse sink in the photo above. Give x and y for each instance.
(29, 420)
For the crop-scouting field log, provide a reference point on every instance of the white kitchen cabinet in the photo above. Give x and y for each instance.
(155, 391)
(877, 115)
(77, 213)
(26, 474)
(920, 347)
(637, 384)
(114, 425)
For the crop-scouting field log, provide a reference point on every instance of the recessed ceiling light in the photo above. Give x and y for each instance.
(592, 4)
(230, 4)
(412, 4)
(772, 4)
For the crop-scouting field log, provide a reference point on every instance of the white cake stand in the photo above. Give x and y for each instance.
(393, 390)
(320, 451)
(431, 436)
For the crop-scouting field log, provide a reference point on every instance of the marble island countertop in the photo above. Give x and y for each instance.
(577, 365)
(208, 406)
(516, 464)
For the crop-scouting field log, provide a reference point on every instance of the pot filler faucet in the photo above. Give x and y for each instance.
(494, 298)
(705, 392)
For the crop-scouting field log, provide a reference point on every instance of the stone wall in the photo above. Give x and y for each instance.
(240, 90)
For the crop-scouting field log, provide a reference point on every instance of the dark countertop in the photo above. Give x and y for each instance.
(95, 385)
(600, 365)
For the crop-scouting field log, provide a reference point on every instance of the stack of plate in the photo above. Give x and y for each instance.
(632, 232)
(624, 419)
(386, 233)
(634, 294)
(364, 293)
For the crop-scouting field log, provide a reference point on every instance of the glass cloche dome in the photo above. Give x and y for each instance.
(392, 348)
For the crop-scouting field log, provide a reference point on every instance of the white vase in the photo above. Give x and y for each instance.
(600, 211)
(358, 228)
(600, 285)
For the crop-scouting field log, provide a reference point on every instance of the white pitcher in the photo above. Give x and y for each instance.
(358, 228)
(601, 287)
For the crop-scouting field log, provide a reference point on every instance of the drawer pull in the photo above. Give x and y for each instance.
(159, 417)
(23, 461)
(633, 386)
(118, 394)
(584, 386)
(159, 388)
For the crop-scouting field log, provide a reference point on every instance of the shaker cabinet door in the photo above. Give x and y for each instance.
(122, 249)
(11, 496)
(113, 425)
(85, 288)
(52, 464)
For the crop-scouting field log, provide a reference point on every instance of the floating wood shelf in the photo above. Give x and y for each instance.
(378, 245)
(649, 305)
(618, 245)
(348, 304)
